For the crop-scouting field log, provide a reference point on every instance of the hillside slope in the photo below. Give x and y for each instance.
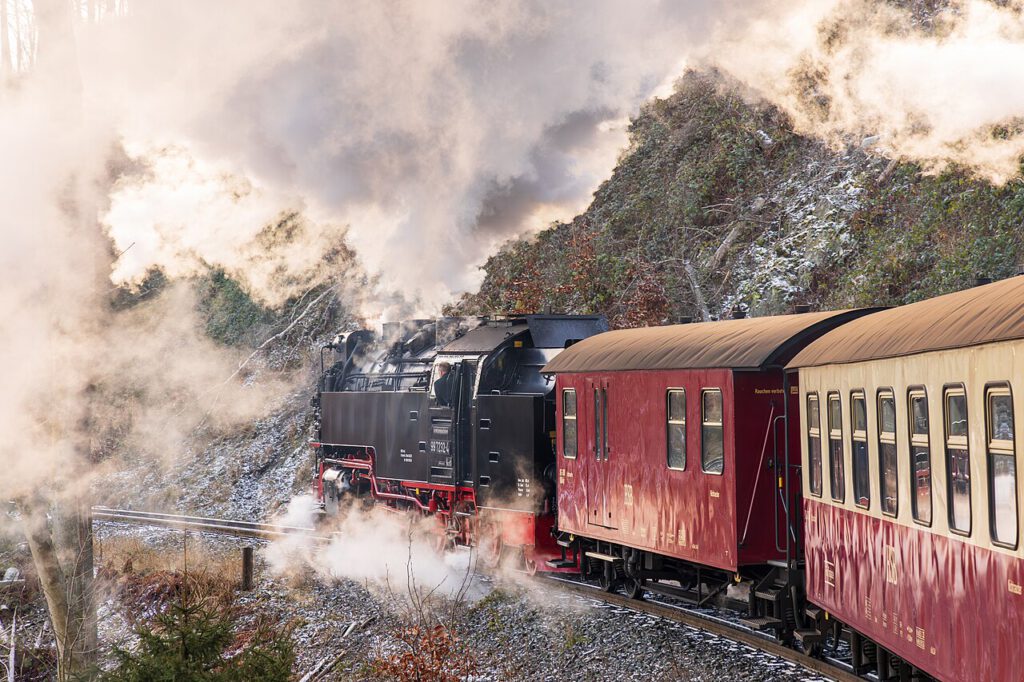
(718, 205)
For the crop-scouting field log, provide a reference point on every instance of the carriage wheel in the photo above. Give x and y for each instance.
(634, 588)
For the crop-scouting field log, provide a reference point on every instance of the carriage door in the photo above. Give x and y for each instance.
(600, 512)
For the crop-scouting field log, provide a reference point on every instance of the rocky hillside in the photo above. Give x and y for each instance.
(718, 205)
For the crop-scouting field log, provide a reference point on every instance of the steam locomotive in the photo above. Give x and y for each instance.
(451, 418)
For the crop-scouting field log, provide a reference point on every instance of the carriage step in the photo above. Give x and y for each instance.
(564, 543)
(814, 613)
(560, 563)
(808, 637)
(762, 623)
(768, 593)
(603, 557)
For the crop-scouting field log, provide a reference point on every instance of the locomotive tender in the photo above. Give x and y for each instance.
(474, 450)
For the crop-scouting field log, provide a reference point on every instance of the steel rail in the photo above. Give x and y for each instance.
(711, 624)
(252, 529)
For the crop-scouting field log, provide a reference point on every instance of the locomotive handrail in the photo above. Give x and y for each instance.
(778, 485)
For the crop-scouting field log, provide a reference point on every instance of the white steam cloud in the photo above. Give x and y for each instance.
(258, 136)
(380, 548)
(937, 89)
(433, 130)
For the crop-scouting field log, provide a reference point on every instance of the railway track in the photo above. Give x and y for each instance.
(251, 529)
(708, 623)
(719, 626)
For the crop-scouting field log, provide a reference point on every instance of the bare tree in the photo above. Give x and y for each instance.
(65, 574)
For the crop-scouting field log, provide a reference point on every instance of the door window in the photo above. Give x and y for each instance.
(570, 445)
(814, 444)
(888, 472)
(712, 452)
(676, 428)
(837, 475)
(958, 460)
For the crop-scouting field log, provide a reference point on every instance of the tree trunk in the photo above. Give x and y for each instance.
(65, 571)
(51, 577)
(73, 527)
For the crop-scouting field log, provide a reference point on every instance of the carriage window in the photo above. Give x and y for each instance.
(712, 448)
(814, 443)
(861, 470)
(837, 477)
(1002, 465)
(569, 441)
(920, 457)
(958, 460)
(888, 470)
(676, 410)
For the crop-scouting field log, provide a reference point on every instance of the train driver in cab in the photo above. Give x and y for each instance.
(443, 384)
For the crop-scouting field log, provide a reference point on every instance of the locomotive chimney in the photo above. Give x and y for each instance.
(982, 280)
(801, 308)
(738, 313)
(685, 319)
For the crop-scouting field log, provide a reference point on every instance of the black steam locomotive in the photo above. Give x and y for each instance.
(453, 419)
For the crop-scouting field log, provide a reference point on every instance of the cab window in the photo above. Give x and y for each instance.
(958, 459)
(861, 473)
(1002, 465)
(675, 408)
(837, 475)
(712, 446)
(888, 472)
(814, 443)
(920, 456)
(570, 444)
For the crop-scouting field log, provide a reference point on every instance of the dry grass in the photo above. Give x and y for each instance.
(147, 579)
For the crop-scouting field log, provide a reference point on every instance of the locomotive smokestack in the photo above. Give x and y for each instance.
(982, 280)
(685, 319)
(738, 313)
(801, 308)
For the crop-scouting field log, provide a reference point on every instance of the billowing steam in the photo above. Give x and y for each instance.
(377, 547)
(933, 86)
(433, 130)
(257, 136)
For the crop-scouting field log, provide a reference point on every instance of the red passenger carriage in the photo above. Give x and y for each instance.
(672, 457)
